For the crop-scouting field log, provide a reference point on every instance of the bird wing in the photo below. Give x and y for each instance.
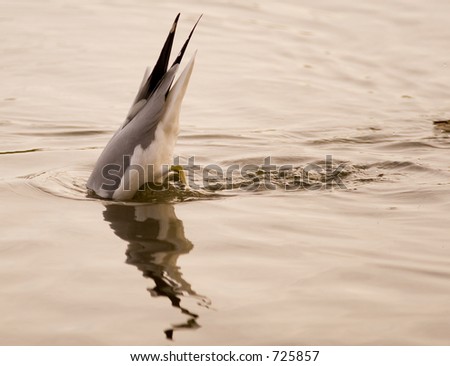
(116, 157)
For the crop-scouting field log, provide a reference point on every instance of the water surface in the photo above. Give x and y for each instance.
(360, 82)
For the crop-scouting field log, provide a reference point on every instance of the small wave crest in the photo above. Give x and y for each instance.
(66, 183)
(70, 182)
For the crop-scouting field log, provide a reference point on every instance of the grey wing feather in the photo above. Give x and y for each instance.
(116, 156)
(138, 103)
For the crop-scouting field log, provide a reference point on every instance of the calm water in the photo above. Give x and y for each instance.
(365, 264)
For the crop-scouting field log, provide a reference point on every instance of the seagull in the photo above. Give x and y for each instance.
(141, 149)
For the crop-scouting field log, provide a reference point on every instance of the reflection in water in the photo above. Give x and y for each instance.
(156, 239)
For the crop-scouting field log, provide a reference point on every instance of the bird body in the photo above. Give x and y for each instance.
(141, 149)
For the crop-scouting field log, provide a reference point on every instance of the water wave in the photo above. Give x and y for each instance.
(70, 182)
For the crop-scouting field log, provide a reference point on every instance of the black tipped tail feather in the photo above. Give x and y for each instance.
(161, 66)
(183, 49)
(152, 80)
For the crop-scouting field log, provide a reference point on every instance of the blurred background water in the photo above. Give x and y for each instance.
(293, 80)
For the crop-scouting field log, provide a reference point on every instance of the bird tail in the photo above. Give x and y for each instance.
(152, 80)
(149, 85)
(183, 49)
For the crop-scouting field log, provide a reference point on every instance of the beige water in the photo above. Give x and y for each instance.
(294, 80)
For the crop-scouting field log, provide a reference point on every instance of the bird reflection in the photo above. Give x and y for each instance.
(156, 239)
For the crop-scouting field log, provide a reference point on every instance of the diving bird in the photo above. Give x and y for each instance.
(141, 149)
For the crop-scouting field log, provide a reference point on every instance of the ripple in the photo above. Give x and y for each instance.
(398, 165)
(173, 193)
(65, 133)
(363, 139)
(70, 182)
(19, 151)
(406, 145)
